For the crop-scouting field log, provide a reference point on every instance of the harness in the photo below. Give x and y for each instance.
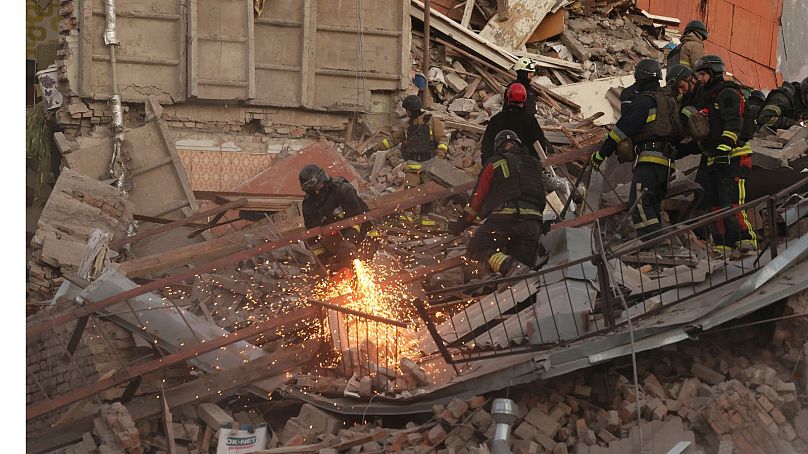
(418, 144)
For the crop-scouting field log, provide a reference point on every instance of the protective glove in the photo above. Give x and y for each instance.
(457, 226)
(441, 151)
(596, 160)
(371, 150)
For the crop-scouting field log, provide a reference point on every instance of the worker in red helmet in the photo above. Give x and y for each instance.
(514, 117)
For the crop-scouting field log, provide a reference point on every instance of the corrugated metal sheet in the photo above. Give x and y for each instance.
(743, 32)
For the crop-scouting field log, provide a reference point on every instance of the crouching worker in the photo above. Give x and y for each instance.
(509, 197)
(330, 200)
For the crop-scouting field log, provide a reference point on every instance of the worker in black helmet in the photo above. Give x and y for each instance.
(509, 197)
(692, 47)
(728, 156)
(785, 106)
(330, 200)
(422, 138)
(646, 133)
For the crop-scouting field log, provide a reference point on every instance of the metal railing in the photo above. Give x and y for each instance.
(569, 301)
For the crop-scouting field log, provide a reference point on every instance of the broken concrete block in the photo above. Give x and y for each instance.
(707, 374)
(455, 82)
(606, 436)
(457, 407)
(543, 422)
(318, 420)
(575, 47)
(436, 435)
(463, 105)
(582, 391)
(525, 431)
(415, 371)
(440, 171)
(653, 386)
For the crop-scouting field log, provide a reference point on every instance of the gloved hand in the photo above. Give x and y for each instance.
(596, 160)
(371, 150)
(457, 226)
(441, 151)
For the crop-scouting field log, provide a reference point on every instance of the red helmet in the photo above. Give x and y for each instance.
(517, 93)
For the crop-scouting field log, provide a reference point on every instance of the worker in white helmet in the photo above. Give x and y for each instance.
(525, 69)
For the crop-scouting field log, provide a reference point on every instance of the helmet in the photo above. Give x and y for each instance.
(757, 96)
(676, 73)
(647, 68)
(696, 26)
(310, 176)
(505, 136)
(710, 63)
(517, 93)
(411, 103)
(524, 64)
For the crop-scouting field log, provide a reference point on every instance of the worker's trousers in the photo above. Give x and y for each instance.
(500, 237)
(726, 188)
(649, 184)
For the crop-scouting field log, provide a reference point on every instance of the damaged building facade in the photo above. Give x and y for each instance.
(173, 306)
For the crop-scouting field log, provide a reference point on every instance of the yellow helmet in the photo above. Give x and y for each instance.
(524, 64)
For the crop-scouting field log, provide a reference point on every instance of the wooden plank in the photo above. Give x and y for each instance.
(168, 424)
(550, 62)
(513, 31)
(472, 87)
(250, 25)
(502, 10)
(309, 51)
(464, 126)
(467, 10)
(552, 25)
(193, 49)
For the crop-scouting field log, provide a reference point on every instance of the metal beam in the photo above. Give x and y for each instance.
(91, 307)
(185, 354)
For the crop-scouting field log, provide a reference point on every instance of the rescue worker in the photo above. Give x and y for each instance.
(692, 47)
(729, 158)
(509, 197)
(525, 68)
(330, 200)
(422, 138)
(651, 124)
(785, 106)
(517, 119)
(683, 84)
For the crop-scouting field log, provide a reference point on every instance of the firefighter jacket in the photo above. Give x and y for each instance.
(725, 105)
(530, 102)
(650, 119)
(509, 184)
(338, 200)
(784, 107)
(420, 138)
(692, 50)
(517, 120)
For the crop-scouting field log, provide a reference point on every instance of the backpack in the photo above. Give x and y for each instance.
(673, 56)
(749, 111)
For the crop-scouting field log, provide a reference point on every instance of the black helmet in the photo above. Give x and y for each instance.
(710, 63)
(757, 96)
(696, 26)
(647, 68)
(505, 136)
(676, 73)
(411, 103)
(310, 176)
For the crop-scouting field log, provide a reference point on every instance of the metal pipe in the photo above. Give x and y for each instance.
(504, 413)
(425, 98)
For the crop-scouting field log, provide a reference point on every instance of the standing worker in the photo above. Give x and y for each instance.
(525, 68)
(422, 138)
(729, 157)
(648, 127)
(785, 106)
(330, 200)
(515, 118)
(510, 198)
(692, 47)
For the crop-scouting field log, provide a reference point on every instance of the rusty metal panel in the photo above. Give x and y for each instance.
(221, 49)
(151, 58)
(745, 32)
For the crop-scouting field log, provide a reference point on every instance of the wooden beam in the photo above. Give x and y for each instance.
(151, 233)
(425, 97)
(469, 8)
(502, 10)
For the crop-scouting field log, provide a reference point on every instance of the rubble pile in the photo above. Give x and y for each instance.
(77, 206)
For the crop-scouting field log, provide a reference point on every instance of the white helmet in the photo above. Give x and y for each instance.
(524, 64)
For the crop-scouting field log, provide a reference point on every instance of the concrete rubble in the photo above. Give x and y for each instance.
(156, 329)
